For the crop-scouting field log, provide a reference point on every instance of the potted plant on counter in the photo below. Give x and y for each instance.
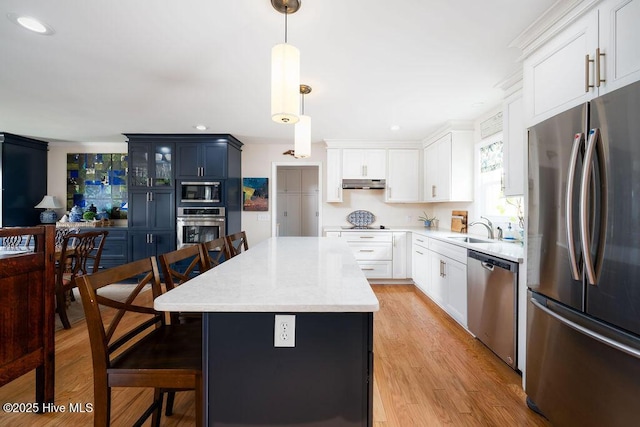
(429, 221)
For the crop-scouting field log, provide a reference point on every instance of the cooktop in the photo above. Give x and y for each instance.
(364, 227)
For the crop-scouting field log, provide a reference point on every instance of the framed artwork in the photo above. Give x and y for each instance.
(255, 194)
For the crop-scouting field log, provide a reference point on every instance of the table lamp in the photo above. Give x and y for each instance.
(48, 203)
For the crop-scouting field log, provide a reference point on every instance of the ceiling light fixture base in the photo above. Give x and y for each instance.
(286, 6)
(305, 90)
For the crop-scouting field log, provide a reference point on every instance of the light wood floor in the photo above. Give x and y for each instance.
(428, 372)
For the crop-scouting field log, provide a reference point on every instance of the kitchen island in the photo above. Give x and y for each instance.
(326, 377)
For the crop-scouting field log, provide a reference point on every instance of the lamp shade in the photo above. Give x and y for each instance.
(48, 216)
(48, 202)
(302, 138)
(285, 83)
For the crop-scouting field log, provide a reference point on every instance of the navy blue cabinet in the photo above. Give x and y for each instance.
(143, 244)
(201, 160)
(151, 204)
(152, 209)
(23, 166)
(157, 162)
(115, 251)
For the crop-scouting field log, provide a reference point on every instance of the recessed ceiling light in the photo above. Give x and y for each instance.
(201, 127)
(395, 127)
(31, 24)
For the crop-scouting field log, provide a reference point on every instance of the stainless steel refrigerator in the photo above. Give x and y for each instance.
(583, 263)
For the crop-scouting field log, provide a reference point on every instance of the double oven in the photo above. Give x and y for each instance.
(200, 214)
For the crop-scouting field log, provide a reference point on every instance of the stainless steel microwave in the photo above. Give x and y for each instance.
(200, 192)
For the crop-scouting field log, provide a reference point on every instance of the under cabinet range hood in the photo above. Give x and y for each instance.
(363, 184)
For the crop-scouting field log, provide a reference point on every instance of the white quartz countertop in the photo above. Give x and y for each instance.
(281, 274)
(501, 249)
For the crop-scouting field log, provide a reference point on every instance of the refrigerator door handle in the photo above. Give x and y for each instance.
(594, 140)
(585, 331)
(578, 140)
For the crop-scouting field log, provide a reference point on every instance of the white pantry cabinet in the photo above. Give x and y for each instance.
(448, 168)
(403, 176)
(360, 163)
(515, 144)
(595, 54)
(334, 175)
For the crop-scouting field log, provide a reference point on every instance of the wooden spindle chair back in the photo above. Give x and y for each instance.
(77, 250)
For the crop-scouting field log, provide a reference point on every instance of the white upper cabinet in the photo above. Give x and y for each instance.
(360, 163)
(448, 168)
(619, 37)
(403, 176)
(334, 175)
(597, 53)
(515, 142)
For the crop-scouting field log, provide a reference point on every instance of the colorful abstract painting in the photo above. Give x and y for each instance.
(256, 194)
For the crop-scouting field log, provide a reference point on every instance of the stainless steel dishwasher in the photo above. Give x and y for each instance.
(492, 295)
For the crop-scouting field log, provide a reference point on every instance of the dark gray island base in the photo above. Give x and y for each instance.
(325, 380)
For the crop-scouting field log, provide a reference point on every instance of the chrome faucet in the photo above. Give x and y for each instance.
(488, 226)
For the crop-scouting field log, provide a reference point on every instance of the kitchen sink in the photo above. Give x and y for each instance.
(467, 239)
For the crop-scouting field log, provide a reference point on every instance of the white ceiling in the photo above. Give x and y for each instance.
(163, 66)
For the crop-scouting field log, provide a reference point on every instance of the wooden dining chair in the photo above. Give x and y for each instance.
(79, 254)
(143, 351)
(216, 252)
(236, 243)
(178, 267)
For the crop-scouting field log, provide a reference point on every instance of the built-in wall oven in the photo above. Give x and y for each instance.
(198, 225)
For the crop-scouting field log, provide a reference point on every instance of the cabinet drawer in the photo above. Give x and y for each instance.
(372, 250)
(114, 249)
(376, 269)
(371, 236)
(420, 240)
(450, 250)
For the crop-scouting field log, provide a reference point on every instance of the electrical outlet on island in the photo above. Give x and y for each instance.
(284, 330)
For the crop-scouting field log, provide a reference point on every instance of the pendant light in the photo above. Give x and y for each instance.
(285, 71)
(302, 131)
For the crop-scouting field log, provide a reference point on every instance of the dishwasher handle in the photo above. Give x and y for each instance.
(490, 262)
(487, 266)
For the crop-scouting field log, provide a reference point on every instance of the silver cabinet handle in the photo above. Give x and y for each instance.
(418, 252)
(366, 250)
(598, 61)
(366, 237)
(587, 61)
(433, 191)
(578, 140)
(367, 269)
(596, 336)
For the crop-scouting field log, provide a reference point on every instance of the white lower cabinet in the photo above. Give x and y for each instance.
(401, 245)
(444, 279)
(373, 251)
(420, 261)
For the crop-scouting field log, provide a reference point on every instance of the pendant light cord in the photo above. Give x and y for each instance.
(286, 12)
